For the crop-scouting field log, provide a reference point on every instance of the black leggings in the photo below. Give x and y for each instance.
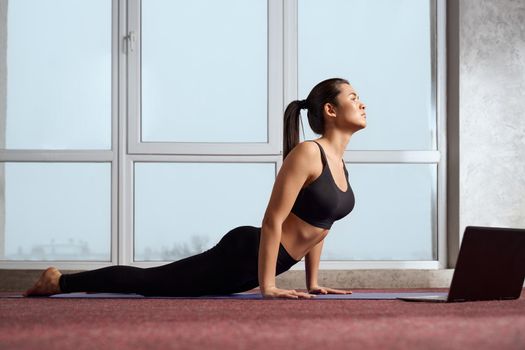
(231, 266)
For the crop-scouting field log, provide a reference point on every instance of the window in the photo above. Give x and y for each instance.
(139, 119)
(58, 157)
(387, 50)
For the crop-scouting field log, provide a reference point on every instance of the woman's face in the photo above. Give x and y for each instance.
(351, 111)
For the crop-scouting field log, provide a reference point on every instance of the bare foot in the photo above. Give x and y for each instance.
(47, 284)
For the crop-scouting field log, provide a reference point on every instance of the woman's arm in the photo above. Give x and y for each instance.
(311, 260)
(268, 251)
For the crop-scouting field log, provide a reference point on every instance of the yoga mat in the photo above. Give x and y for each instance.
(243, 296)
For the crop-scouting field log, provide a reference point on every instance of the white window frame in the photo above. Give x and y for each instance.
(282, 88)
(108, 156)
(274, 90)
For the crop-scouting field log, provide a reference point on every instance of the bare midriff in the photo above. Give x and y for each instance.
(298, 236)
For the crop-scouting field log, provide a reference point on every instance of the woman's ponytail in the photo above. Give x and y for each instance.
(292, 115)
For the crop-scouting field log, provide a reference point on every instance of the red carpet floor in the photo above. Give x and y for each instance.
(47, 323)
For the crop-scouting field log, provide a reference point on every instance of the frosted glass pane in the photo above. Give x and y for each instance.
(383, 48)
(56, 211)
(182, 209)
(58, 74)
(204, 71)
(393, 216)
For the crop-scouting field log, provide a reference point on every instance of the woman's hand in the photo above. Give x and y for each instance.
(274, 292)
(325, 290)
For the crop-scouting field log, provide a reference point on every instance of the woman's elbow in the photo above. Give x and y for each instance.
(271, 223)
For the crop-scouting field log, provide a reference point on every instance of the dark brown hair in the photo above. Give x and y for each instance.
(324, 92)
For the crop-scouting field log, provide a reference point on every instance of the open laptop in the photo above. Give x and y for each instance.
(490, 266)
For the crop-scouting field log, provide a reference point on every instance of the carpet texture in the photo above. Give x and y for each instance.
(141, 323)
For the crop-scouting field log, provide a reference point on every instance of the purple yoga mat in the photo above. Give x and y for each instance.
(353, 296)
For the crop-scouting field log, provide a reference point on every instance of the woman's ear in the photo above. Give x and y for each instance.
(329, 109)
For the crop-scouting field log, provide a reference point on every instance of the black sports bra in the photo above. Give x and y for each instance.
(322, 202)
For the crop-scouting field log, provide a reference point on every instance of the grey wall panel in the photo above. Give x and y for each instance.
(492, 113)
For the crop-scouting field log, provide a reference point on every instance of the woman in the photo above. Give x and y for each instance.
(307, 197)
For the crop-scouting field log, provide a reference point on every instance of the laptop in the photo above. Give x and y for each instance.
(490, 266)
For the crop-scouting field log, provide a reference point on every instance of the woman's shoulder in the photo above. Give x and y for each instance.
(304, 156)
(307, 147)
(306, 150)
